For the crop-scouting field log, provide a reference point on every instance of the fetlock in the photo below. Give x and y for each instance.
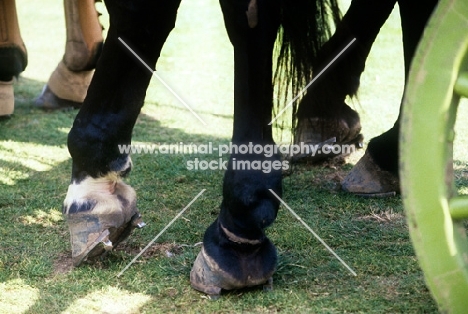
(322, 113)
(376, 173)
(345, 126)
(236, 252)
(384, 150)
(319, 129)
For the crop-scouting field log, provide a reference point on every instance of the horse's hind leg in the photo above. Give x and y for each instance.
(376, 174)
(99, 206)
(323, 113)
(236, 253)
(69, 82)
(13, 56)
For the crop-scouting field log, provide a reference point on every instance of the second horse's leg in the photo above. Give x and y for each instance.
(69, 82)
(13, 56)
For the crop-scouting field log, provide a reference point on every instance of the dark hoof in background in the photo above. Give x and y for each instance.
(47, 100)
(208, 277)
(369, 180)
(336, 132)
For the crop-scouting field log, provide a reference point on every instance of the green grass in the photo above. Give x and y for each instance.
(369, 234)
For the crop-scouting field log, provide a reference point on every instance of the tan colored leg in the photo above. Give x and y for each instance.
(68, 84)
(10, 36)
(13, 55)
(7, 98)
(84, 35)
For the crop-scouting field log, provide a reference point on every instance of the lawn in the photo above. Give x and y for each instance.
(369, 234)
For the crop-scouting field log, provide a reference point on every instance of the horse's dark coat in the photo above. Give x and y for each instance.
(236, 239)
(117, 92)
(363, 21)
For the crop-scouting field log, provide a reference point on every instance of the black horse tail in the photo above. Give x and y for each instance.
(305, 26)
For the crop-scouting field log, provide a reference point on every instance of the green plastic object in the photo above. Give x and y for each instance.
(436, 214)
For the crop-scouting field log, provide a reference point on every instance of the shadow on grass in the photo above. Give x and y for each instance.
(369, 234)
(36, 172)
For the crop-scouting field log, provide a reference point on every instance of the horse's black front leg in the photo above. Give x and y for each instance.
(236, 253)
(99, 206)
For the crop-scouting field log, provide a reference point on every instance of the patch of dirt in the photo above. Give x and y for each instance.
(157, 249)
(326, 174)
(330, 181)
(335, 163)
(387, 216)
(171, 292)
(63, 264)
(389, 286)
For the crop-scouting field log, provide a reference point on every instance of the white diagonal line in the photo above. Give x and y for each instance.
(162, 81)
(160, 233)
(311, 82)
(312, 231)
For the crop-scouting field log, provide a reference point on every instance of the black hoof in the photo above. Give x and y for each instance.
(208, 277)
